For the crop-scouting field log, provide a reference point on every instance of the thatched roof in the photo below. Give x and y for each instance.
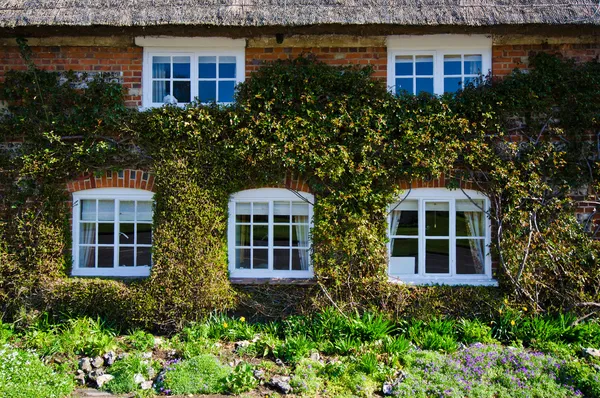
(256, 13)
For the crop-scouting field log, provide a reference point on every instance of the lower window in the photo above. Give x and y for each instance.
(112, 232)
(440, 236)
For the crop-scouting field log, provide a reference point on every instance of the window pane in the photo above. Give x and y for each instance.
(260, 212)
(473, 64)
(300, 259)
(207, 67)
(126, 232)
(106, 210)
(161, 67)
(452, 65)
(160, 89)
(226, 90)
(437, 256)
(87, 233)
(424, 65)
(207, 91)
(260, 235)
(242, 212)
(126, 256)
(88, 210)
(242, 235)
(404, 65)
(144, 211)
(470, 219)
(425, 85)
(281, 259)
(452, 84)
(281, 212)
(127, 210)
(181, 67)
(260, 259)
(227, 68)
(144, 256)
(404, 84)
(87, 256)
(437, 219)
(404, 259)
(300, 235)
(144, 234)
(242, 258)
(106, 257)
(404, 222)
(281, 235)
(470, 256)
(106, 234)
(300, 212)
(469, 80)
(181, 91)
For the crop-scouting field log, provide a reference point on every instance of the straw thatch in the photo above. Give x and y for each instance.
(253, 13)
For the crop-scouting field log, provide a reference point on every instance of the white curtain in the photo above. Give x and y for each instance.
(159, 88)
(88, 235)
(475, 222)
(396, 214)
(302, 234)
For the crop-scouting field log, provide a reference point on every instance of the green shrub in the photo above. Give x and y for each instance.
(475, 331)
(203, 374)
(140, 340)
(241, 379)
(306, 380)
(124, 371)
(294, 348)
(582, 377)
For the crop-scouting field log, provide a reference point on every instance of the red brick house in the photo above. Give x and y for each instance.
(166, 51)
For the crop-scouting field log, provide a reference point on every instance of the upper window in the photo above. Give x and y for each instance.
(269, 234)
(436, 64)
(440, 236)
(112, 232)
(182, 70)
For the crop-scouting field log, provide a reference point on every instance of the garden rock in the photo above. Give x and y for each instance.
(98, 362)
(138, 378)
(281, 384)
(279, 362)
(240, 344)
(259, 374)
(103, 379)
(109, 358)
(388, 388)
(591, 352)
(85, 364)
(80, 377)
(94, 374)
(315, 356)
(151, 372)
(146, 385)
(147, 355)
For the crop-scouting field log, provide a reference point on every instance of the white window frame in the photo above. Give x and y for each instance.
(438, 46)
(194, 48)
(122, 194)
(424, 195)
(269, 195)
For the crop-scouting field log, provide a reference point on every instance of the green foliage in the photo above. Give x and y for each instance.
(475, 331)
(306, 380)
(124, 371)
(203, 374)
(140, 340)
(241, 379)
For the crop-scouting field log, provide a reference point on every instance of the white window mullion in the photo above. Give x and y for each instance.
(270, 225)
(452, 237)
(421, 229)
(117, 229)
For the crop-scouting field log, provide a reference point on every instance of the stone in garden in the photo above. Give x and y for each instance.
(387, 389)
(281, 384)
(94, 374)
(259, 374)
(315, 356)
(147, 355)
(591, 352)
(279, 362)
(109, 358)
(151, 372)
(157, 341)
(138, 378)
(147, 385)
(85, 364)
(80, 377)
(240, 344)
(98, 362)
(103, 379)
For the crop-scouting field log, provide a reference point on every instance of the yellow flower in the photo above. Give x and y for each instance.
(225, 325)
(505, 301)
(512, 323)
(242, 319)
(500, 311)
(525, 309)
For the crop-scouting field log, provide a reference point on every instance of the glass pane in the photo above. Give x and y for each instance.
(260, 212)
(87, 233)
(144, 211)
(242, 258)
(470, 219)
(88, 210)
(425, 85)
(404, 222)
(242, 235)
(281, 212)
(300, 259)
(260, 259)
(300, 235)
(126, 232)
(127, 210)
(226, 90)
(470, 256)
(404, 258)
(469, 80)
(404, 84)
(452, 84)
(161, 67)
(181, 91)
(437, 256)
(144, 234)
(160, 89)
(106, 210)
(424, 65)
(300, 212)
(260, 235)
(452, 65)
(281, 235)
(207, 91)
(87, 257)
(181, 67)
(106, 234)
(281, 259)
(207, 67)
(144, 257)
(437, 219)
(126, 256)
(242, 212)
(404, 65)
(227, 68)
(473, 64)
(106, 257)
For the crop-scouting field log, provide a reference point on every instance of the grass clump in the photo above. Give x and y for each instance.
(203, 374)
(125, 370)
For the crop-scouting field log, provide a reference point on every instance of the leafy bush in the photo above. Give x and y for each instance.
(124, 371)
(306, 379)
(292, 349)
(140, 340)
(203, 374)
(475, 331)
(241, 379)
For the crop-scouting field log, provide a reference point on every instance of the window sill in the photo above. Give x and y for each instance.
(447, 281)
(121, 272)
(272, 281)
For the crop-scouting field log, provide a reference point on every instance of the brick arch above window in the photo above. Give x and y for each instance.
(127, 178)
(290, 181)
